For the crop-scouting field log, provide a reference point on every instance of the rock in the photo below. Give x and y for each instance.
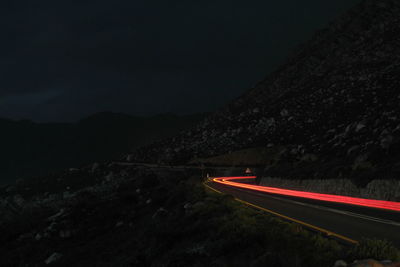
(65, 233)
(197, 250)
(51, 227)
(348, 129)
(160, 212)
(187, 206)
(386, 141)
(148, 201)
(360, 126)
(284, 113)
(361, 159)
(55, 216)
(19, 200)
(309, 158)
(95, 167)
(130, 158)
(38, 237)
(53, 258)
(340, 263)
(109, 177)
(111, 164)
(24, 236)
(67, 195)
(10, 189)
(353, 149)
(19, 182)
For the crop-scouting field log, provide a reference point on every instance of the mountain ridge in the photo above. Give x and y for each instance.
(336, 98)
(32, 149)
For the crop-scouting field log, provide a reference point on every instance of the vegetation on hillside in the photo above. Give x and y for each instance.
(130, 216)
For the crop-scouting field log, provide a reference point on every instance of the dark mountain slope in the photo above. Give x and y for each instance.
(337, 98)
(30, 149)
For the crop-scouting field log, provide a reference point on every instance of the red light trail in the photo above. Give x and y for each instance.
(371, 203)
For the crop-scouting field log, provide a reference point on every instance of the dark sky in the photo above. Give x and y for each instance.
(63, 60)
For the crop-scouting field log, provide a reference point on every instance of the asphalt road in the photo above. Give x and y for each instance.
(350, 221)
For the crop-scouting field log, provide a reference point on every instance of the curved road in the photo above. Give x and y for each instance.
(344, 218)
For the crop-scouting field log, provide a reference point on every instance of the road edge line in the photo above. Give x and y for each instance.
(307, 225)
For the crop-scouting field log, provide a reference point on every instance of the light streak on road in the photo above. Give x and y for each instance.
(371, 203)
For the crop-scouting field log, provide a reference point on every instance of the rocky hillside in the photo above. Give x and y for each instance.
(335, 102)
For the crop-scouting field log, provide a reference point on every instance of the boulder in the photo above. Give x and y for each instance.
(53, 258)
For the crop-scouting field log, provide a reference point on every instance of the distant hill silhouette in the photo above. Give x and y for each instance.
(30, 149)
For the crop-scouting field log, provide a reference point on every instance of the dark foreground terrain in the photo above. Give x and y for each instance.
(113, 215)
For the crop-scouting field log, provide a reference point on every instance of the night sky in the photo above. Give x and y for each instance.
(63, 60)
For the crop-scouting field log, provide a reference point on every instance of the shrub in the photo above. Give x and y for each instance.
(376, 249)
